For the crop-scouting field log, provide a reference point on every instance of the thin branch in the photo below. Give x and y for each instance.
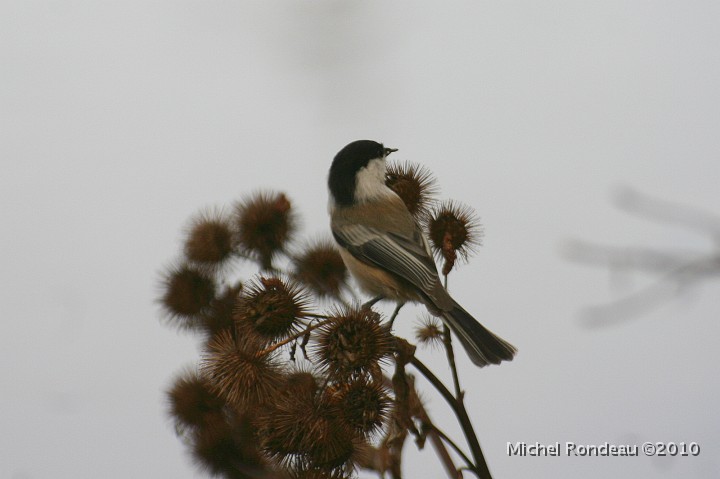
(665, 287)
(435, 436)
(316, 316)
(458, 407)
(635, 202)
(678, 269)
(447, 342)
(452, 444)
(442, 452)
(622, 258)
(292, 338)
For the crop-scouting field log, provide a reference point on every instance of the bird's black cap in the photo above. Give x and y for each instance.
(346, 164)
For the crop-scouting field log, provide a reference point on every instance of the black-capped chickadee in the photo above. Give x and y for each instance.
(386, 251)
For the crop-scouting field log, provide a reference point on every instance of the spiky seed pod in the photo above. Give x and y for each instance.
(336, 445)
(414, 184)
(300, 384)
(192, 401)
(297, 431)
(237, 373)
(352, 343)
(221, 313)
(188, 293)
(321, 268)
(284, 425)
(265, 224)
(227, 450)
(302, 472)
(454, 231)
(272, 307)
(430, 331)
(362, 404)
(209, 241)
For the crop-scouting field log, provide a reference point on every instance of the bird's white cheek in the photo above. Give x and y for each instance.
(370, 182)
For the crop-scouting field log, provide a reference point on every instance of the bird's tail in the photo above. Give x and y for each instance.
(481, 345)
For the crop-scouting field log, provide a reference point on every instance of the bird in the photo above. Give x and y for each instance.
(386, 251)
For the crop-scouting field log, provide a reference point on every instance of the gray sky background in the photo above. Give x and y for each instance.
(118, 120)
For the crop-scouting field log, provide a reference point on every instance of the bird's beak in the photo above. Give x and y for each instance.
(390, 150)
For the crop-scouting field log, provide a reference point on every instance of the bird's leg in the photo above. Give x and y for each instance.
(395, 313)
(371, 303)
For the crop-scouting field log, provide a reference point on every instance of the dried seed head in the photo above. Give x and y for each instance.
(334, 447)
(221, 313)
(454, 230)
(352, 343)
(297, 431)
(272, 307)
(227, 449)
(306, 472)
(192, 402)
(414, 184)
(321, 268)
(237, 373)
(188, 293)
(284, 425)
(300, 384)
(265, 224)
(362, 404)
(209, 240)
(430, 331)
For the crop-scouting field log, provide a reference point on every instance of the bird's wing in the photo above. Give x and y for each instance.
(404, 255)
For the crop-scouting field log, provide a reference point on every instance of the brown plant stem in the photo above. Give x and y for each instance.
(290, 339)
(480, 468)
(437, 432)
(436, 436)
(447, 342)
(442, 452)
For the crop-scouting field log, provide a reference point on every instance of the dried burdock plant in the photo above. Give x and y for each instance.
(414, 184)
(284, 391)
(362, 404)
(272, 306)
(299, 430)
(226, 448)
(188, 293)
(283, 424)
(300, 473)
(221, 313)
(320, 267)
(237, 373)
(209, 242)
(265, 223)
(352, 343)
(430, 331)
(454, 232)
(193, 403)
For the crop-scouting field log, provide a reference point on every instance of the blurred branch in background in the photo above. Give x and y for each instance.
(674, 270)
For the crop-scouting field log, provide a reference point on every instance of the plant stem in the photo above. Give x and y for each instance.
(290, 339)
(458, 406)
(447, 341)
(434, 434)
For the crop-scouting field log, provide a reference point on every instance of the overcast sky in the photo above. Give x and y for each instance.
(119, 120)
